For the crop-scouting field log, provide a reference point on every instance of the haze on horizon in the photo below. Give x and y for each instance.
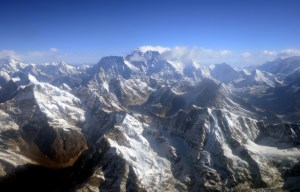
(237, 32)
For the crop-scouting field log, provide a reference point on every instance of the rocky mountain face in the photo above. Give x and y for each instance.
(143, 123)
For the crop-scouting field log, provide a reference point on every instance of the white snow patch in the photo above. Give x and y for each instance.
(211, 67)
(32, 79)
(16, 79)
(149, 167)
(261, 77)
(177, 65)
(272, 151)
(130, 66)
(106, 86)
(196, 64)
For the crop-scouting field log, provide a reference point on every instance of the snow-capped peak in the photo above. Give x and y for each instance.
(263, 77)
(61, 107)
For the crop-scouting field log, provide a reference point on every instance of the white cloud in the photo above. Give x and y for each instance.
(9, 53)
(269, 53)
(246, 54)
(289, 53)
(53, 49)
(282, 54)
(182, 53)
(51, 55)
(159, 49)
(260, 57)
(185, 54)
(196, 54)
(211, 56)
(136, 57)
(225, 52)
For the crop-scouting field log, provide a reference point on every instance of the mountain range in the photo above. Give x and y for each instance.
(144, 123)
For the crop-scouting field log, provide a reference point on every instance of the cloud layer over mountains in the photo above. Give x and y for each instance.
(204, 56)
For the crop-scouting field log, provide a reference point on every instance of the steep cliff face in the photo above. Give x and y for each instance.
(141, 123)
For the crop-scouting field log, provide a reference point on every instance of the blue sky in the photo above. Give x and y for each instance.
(78, 31)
